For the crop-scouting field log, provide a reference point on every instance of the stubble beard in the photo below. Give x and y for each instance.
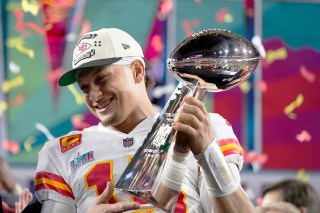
(112, 121)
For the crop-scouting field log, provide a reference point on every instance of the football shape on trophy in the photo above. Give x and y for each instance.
(218, 59)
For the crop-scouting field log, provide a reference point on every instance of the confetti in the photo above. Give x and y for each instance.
(3, 107)
(76, 94)
(156, 43)
(86, 26)
(256, 41)
(189, 25)
(36, 28)
(261, 85)
(304, 136)
(296, 103)
(245, 87)
(78, 123)
(256, 160)
(163, 90)
(18, 43)
(14, 68)
(279, 54)
(44, 130)
(16, 82)
(28, 143)
(11, 146)
(165, 8)
(303, 176)
(19, 99)
(31, 6)
(19, 22)
(54, 75)
(309, 76)
(220, 16)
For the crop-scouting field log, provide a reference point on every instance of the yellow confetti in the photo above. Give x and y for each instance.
(298, 102)
(16, 82)
(245, 87)
(228, 18)
(278, 54)
(77, 95)
(303, 176)
(3, 107)
(28, 142)
(32, 7)
(18, 43)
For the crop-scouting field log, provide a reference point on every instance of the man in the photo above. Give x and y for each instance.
(76, 172)
(299, 193)
(278, 207)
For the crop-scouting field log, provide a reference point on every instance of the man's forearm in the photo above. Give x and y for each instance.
(237, 202)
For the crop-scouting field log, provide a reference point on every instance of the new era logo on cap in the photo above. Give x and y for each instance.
(101, 47)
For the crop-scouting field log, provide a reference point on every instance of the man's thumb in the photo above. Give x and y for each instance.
(106, 194)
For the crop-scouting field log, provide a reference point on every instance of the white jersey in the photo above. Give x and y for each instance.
(75, 168)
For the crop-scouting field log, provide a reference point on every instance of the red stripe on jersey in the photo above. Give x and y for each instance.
(230, 146)
(46, 180)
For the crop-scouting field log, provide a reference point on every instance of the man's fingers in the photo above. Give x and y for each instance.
(106, 194)
(125, 206)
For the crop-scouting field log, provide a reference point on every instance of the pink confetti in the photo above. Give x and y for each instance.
(19, 23)
(54, 75)
(19, 99)
(221, 15)
(36, 28)
(304, 136)
(86, 26)
(78, 123)
(189, 25)
(157, 43)
(253, 157)
(309, 76)
(261, 85)
(166, 7)
(11, 146)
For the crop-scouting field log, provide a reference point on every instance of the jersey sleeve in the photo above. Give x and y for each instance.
(227, 140)
(50, 181)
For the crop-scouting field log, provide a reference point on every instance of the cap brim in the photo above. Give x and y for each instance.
(70, 76)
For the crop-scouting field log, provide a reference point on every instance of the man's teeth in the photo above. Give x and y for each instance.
(105, 105)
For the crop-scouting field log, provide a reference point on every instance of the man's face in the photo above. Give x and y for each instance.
(109, 93)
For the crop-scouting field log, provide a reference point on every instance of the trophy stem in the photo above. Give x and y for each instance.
(143, 175)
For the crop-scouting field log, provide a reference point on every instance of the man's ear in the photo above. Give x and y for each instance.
(138, 71)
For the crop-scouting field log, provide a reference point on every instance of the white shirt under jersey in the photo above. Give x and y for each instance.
(75, 168)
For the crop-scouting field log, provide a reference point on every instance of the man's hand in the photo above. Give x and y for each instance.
(24, 199)
(101, 203)
(193, 126)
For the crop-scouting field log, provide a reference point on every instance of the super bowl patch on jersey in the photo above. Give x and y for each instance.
(80, 159)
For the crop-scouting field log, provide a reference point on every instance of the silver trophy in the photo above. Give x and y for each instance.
(208, 61)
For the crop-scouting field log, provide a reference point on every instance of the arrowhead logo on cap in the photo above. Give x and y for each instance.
(125, 46)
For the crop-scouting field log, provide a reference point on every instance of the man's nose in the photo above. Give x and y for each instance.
(95, 93)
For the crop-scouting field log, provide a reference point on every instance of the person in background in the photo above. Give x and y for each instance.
(76, 172)
(278, 207)
(299, 193)
(25, 198)
(9, 188)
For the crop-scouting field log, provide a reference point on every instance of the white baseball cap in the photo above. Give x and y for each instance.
(101, 47)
